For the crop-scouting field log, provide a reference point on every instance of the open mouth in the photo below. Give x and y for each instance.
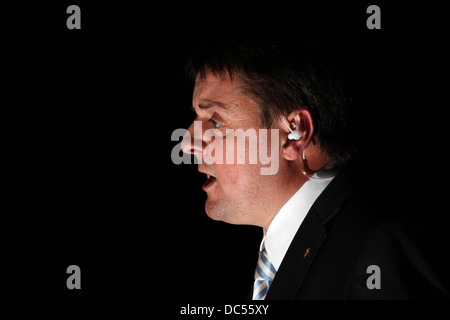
(209, 182)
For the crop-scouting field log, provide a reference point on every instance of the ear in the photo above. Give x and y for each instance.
(293, 149)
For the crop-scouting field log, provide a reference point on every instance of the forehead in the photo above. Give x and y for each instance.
(213, 88)
(225, 93)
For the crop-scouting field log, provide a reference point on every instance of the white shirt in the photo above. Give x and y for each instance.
(287, 221)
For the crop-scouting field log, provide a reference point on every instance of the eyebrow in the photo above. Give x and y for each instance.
(208, 105)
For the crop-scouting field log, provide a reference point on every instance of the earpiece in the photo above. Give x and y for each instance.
(295, 134)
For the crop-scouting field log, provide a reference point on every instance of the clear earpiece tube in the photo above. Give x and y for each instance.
(331, 169)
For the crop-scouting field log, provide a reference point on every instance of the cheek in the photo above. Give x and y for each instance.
(238, 178)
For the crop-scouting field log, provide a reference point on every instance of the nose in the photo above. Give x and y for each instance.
(192, 142)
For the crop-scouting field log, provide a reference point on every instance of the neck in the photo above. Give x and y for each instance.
(287, 189)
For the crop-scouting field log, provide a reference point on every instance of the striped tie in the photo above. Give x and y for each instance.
(264, 274)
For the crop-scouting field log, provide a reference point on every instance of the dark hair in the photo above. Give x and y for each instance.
(281, 79)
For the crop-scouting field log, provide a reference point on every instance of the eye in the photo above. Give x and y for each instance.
(215, 123)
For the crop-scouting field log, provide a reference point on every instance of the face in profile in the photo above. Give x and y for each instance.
(236, 193)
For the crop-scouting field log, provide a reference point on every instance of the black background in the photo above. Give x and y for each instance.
(87, 121)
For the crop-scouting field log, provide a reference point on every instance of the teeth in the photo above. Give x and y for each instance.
(208, 176)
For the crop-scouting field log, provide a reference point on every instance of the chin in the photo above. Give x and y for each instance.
(220, 213)
(213, 211)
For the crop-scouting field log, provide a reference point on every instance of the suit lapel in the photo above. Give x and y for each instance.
(308, 240)
(298, 258)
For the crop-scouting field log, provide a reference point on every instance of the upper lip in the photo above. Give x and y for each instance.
(203, 171)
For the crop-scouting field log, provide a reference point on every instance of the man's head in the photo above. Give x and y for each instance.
(252, 87)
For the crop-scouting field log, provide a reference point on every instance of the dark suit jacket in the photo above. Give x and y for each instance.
(345, 237)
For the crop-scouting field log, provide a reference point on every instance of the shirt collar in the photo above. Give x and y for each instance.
(287, 221)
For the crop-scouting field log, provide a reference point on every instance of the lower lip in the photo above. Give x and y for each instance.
(209, 183)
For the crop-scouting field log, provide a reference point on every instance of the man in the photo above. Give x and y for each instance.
(321, 240)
